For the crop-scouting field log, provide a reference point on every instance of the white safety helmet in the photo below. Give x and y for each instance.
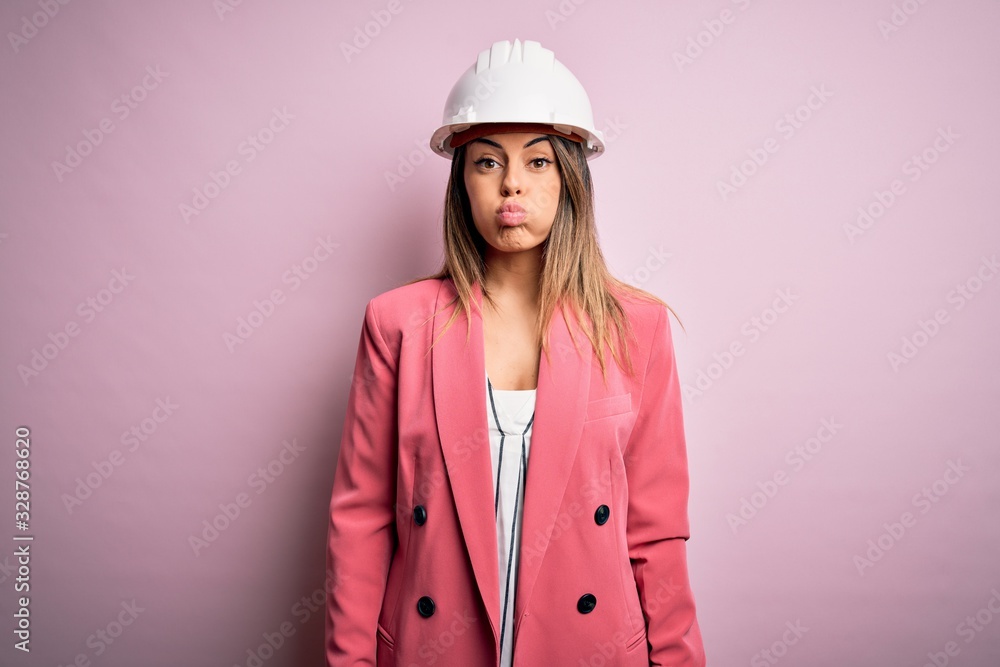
(518, 83)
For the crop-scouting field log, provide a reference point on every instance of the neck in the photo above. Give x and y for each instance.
(514, 276)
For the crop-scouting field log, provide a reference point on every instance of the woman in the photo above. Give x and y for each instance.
(505, 495)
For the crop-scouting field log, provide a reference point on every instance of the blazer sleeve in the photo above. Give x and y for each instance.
(657, 522)
(361, 536)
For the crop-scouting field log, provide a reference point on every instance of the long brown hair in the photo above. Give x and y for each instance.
(573, 271)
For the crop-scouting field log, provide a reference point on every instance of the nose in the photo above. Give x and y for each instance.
(511, 184)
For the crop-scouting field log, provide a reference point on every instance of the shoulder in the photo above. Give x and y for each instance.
(394, 309)
(649, 319)
(406, 296)
(644, 310)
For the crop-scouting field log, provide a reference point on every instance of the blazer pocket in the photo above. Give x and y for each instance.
(638, 639)
(609, 406)
(384, 636)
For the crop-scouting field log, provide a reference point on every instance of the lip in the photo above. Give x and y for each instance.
(511, 213)
(512, 218)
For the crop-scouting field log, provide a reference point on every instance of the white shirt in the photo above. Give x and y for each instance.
(510, 413)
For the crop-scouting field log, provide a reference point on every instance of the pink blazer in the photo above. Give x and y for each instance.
(412, 548)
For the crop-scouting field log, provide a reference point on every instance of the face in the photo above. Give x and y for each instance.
(512, 168)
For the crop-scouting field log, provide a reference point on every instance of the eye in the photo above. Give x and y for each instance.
(481, 160)
(543, 160)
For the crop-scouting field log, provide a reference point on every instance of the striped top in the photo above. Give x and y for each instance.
(510, 413)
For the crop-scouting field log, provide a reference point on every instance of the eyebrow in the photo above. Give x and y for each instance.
(534, 141)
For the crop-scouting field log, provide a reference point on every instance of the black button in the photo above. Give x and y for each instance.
(586, 603)
(601, 515)
(425, 606)
(419, 515)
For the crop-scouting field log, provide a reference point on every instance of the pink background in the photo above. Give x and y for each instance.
(675, 131)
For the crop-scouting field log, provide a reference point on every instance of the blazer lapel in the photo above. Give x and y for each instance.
(459, 387)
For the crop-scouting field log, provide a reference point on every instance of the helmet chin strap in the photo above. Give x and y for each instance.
(484, 129)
